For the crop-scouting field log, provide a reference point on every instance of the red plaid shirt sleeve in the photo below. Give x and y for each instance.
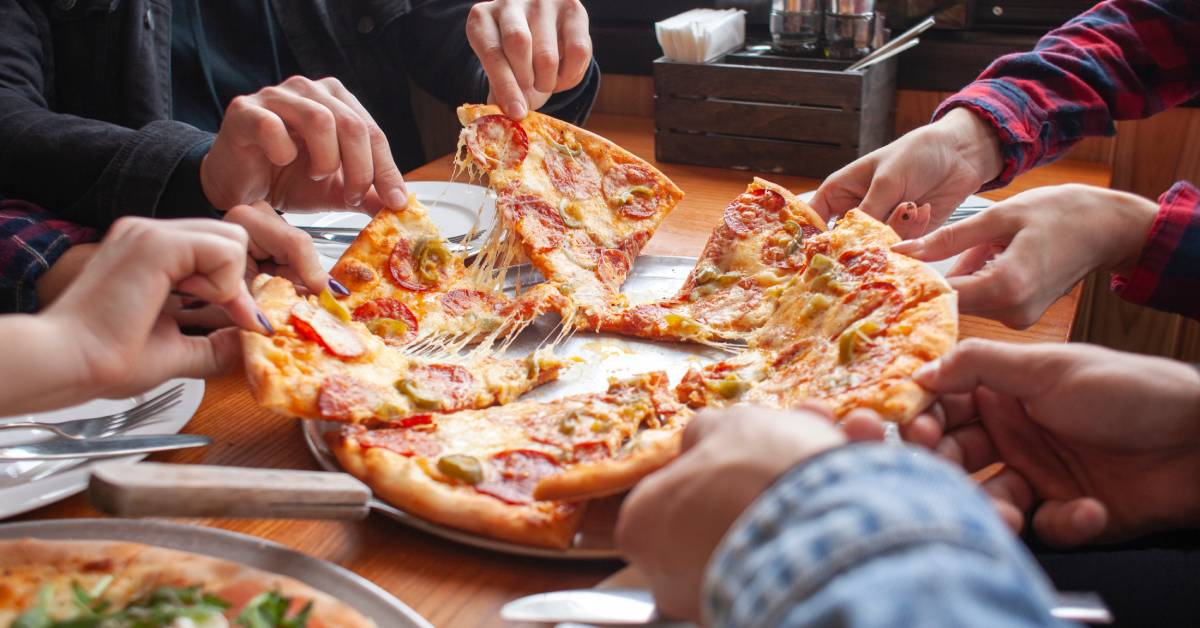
(31, 240)
(1123, 59)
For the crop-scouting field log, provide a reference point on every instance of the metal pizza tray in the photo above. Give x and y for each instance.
(600, 356)
(361, 594)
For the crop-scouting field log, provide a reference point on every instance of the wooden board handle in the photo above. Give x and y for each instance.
(151, 489)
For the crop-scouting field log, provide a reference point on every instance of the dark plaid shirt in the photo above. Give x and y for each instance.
(1121, 60)
(31, 240)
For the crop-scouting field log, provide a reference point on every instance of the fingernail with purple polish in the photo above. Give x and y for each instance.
(338, 288)
(266, 324)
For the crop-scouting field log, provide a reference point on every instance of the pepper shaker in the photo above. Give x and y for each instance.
(796, 26)
(849, 28)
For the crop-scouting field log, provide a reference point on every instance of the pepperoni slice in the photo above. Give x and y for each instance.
(574, 176)
(517, 473)
(540, 223)
(402, 264)
(625, 188)
(404, 441)
(612, 266)
(591, 450)
(750, 211)
(450, 384)
(458, 302)
(497, 141)
(386, 307)
(314, 323)
(784, 250)
(341, 396)
(863, 262)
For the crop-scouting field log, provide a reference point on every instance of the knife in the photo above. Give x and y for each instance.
(635, 607)
(101, 447)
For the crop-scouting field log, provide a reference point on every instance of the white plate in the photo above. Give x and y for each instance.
(344, 585)
(972, 204)
(27, 485)
(453, 207)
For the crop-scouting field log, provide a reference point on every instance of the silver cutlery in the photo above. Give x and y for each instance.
(106, 425)
(346, 235)
(635, 607)
(101, 447)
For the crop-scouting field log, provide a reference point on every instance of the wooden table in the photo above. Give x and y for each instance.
(454, 585)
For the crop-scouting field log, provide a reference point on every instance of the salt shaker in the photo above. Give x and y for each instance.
(796, 26)
(849, 28)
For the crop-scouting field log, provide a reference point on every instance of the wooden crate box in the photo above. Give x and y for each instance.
(765, 113)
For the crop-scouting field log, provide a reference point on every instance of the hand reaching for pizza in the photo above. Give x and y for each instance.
(530, 49)
(673, 520)
(1101, 445)
(107, 334)
(941, 164)
(1022, 254)
(301, 145)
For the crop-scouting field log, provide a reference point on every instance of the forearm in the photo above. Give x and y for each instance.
(873, 535)
(1167, 273)
(43, 370)
(1123, 59)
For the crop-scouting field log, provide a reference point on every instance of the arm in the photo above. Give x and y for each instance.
(90, 171)
(1123, 59)
(1167, 274)
(873, 535)
(31, 242)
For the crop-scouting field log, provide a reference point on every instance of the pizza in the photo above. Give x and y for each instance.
(850, 328)
(521, 471)
(580, 207)
(406, 283)
(755, 248)
(321, 363)
(50, 584)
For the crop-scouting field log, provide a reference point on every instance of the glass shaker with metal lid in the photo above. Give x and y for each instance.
(849, 28)
(796, 26)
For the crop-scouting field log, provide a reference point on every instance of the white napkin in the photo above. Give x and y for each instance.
(701, 35)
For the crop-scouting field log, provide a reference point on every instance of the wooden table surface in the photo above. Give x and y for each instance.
(454, 585)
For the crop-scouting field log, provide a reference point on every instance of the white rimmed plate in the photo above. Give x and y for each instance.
(27, 485)
(354, 590)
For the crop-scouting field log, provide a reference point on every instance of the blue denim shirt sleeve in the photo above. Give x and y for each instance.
(874, 535)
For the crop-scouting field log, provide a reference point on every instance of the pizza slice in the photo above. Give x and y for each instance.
(406, 284)
(322, 364)
(109, 583)
(581, 208)
(733, 289)
(850, 329)
(518, 472)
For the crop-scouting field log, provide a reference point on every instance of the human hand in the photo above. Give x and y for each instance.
(1022, 254)
(672, 521)
(1102, 445)
(110, 319)
(530, 49)
(278, 248)
(940, 163)
(301, 145)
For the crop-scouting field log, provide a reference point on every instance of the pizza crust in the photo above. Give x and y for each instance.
(25, 564)
(608, 477)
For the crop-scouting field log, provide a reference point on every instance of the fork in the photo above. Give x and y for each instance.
(106, 425)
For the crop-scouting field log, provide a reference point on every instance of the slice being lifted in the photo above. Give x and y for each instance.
(850, 329)
(752, 252)
(322, 364)
(580, 206)
(491, 471)
(405, 283)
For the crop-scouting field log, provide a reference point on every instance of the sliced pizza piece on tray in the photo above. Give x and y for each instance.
(322, 364)
(581, 207)
(850, 329)
(733, 289)
(517, 472)
(406, 284)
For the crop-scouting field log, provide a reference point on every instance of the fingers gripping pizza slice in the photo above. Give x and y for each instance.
(581, 207)
(406, 284)
(850, 329)
(322, 364)
(752, 252)
(517, 472)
